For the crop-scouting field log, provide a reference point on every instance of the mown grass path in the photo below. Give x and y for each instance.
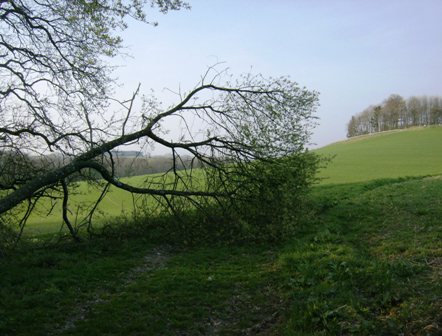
(136, 289)
(151, 262)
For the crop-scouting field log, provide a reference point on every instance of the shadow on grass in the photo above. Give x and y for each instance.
(363, 267)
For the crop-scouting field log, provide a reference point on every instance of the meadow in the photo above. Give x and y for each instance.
(367, 261)
(47, 218)
(411, 152)
(414, 152)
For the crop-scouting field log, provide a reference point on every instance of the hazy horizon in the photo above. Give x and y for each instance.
(353, 53)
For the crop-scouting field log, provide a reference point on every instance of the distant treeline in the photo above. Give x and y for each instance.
(396, 113)
(131, 166)
(24, 167)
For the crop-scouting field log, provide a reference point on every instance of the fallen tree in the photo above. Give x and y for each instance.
(55, 98)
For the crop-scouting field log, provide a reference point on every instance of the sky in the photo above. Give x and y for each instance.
(354, 53)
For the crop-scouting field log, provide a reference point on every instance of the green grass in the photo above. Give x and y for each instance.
(369, 264)
(372, 266)
(47, 217)
(109, 288)
(411, 152)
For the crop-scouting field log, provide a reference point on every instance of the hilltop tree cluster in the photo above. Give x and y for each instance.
(396, 113)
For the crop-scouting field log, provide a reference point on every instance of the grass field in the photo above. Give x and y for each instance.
(117, 202)
(369, 262)
(411, 152)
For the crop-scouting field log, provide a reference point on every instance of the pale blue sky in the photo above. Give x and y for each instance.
(355, 53)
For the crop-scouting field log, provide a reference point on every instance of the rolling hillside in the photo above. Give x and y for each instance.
(411, 152)
(366, 261)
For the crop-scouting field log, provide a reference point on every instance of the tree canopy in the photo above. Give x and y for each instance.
(395, 113)
(55, 81)
(56, 94)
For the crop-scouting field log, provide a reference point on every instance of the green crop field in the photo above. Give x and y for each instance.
(411, 152)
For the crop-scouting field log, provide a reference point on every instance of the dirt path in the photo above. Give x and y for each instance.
(154, 260)
(264, 309)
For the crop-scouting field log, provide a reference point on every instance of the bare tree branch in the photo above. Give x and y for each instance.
(56, 98)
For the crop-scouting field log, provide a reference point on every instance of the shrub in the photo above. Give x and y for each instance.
(268, 203)
(7, 238)
(272, 198)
